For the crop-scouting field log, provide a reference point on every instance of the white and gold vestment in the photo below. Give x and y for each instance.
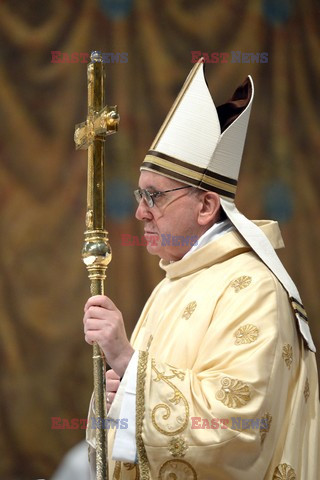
(218, 340)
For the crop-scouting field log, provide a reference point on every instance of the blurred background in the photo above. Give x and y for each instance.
(45, 363)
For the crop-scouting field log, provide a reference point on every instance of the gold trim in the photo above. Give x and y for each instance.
(176, 103)
(141, 377)
(188, 172)
(177, 469)
(175, 399)
(229, 197)
(299, 307)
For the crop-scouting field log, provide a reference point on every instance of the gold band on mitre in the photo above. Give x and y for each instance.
(190, 174)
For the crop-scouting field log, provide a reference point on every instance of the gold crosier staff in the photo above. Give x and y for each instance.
(96, 254)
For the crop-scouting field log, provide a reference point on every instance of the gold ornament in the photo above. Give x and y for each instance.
(287, 354)
(265, 425)
(246, 334)
(233, 393)
(284, 472)
(241, 283)
(178, 446)
(188, 311)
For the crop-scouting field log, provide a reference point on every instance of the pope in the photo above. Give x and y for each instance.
(224, 335)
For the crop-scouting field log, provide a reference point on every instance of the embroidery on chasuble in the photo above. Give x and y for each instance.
(127, 466)
(233, 393)
(246, 334)
(163, 410)
(188, 311)
(176, 469)
(178, 446)
(284, 472)
(265, 425)
(241, 282)
(306, 391)
(287, 355)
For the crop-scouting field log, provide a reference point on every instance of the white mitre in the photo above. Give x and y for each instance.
(201, 145)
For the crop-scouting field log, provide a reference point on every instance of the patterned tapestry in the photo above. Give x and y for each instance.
(46, 365)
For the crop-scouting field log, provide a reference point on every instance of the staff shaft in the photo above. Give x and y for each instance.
(96, 251)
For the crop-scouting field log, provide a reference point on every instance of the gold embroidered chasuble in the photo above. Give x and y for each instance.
(226, 388)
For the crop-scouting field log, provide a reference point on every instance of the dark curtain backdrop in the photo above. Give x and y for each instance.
(46, 365)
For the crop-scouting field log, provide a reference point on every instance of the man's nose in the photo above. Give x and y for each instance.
(143, 211)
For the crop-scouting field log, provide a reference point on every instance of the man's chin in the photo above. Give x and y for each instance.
(152, 250)
(156, 248)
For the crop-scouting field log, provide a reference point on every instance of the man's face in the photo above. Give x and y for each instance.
(174, 214)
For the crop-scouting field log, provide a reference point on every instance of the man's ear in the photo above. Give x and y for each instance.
(209, 210)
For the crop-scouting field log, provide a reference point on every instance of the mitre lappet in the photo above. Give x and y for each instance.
(201, 145)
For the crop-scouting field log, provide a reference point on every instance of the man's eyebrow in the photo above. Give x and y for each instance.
(150, 187)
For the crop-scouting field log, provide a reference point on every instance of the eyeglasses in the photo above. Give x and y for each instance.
(149, 197)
